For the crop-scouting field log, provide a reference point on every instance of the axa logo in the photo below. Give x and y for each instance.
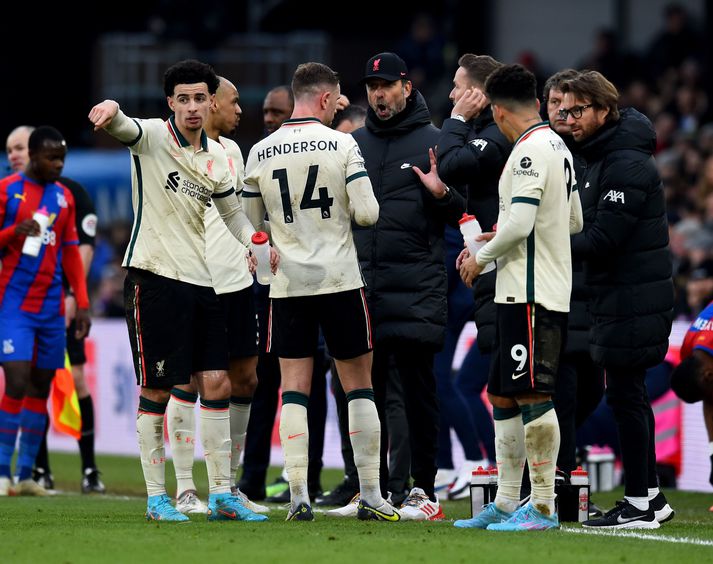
(377, 63)
(614, 196)
(7, 346)
(172, 181)
(479, 144)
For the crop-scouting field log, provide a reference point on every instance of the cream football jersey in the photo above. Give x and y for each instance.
(225, 255)
(310, 179)
(540, 173)
(172, 185)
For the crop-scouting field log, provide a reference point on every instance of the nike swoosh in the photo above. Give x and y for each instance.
(619, 519)
(516, 376)
(395, 516)
(294, 436)
(354, 432)
(405, 165)
(227, 514)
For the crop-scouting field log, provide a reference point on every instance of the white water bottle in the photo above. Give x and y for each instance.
(33, 244)
(479, 490)
(470, 229)
(261, 251)
(579, 479)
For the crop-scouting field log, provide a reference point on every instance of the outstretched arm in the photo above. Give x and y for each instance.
(107, 115)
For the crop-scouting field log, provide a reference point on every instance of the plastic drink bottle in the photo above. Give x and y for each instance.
(261, 250)
(479, 490)
(470, 229)
(33, 244)
(580, 479)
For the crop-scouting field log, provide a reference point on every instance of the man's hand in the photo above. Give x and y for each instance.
(464, 254)
(432, 181)
(470, 104)
(469, 271)
(252, 262)
(342, 102)
(70, 309)
(27, 227)
(274, 260)
(103, 113)
(83, 323)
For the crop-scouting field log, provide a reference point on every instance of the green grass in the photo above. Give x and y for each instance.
(72, 528)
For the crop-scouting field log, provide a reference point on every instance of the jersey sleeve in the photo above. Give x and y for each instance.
(363, 205)
(86, 217)
(529, 175)
(69, 234)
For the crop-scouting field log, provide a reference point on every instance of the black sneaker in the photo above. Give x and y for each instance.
(625, 516)
(282, 497)
(594, 510)
(302, 512)
(339, 496)
(43, 477)
(662, 510)
(91, 482)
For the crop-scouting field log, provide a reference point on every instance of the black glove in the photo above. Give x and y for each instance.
(710, 478)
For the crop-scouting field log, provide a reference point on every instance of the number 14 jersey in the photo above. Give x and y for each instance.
(309, 178)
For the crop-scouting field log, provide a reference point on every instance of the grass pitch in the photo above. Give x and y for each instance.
(72, 528)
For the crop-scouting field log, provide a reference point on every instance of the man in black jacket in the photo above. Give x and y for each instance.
(472, 152)
(628, 266)
(402, 259)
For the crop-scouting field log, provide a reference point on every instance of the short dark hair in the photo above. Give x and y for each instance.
(42, 135)
(512, 85)
(310, 76)
(478, 67)
(556, 80)
(189, 71)
(685, 380)
(284, 88)
(593, 86)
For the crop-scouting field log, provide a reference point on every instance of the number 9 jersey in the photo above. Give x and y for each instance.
(311, 181)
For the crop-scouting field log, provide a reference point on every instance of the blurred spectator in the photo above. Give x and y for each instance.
(618, 66)
(677, 41)
(423, 52)
(699, 289)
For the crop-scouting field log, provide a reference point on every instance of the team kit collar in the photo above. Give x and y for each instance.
(301, 121)
(181, 141)
(530, 130)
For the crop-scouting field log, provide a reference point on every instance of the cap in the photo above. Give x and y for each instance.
(388, 66)
(260, 238)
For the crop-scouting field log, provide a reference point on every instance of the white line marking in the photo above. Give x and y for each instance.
(640, 536)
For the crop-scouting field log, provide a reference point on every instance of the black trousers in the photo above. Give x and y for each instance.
(578, 391)
(626, 395)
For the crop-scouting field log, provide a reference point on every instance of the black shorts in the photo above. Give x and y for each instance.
(529, 340)
(241, 319)
(75, 347)
(293, 326)
(175, 329)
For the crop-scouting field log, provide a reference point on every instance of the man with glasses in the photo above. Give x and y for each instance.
(628, 266)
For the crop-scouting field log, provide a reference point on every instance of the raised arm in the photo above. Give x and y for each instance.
(108, 116)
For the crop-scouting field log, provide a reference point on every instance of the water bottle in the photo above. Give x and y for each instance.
(470, 229)
(579, 479)
(33, 244)
(493, 482)
(261, 251)
(479, 490)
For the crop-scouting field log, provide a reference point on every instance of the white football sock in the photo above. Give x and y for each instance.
(181, 421)
(149, 431)
(653, 492)
(239, 417)
(542, 444)
(641, 503)
(510, 456)
(365, 436)
(294, 436)
(215, 438)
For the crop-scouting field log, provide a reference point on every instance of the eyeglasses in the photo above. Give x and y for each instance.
(574, 111)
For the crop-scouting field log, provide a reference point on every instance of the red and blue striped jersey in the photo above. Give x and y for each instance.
(700, 334)
(34, 284)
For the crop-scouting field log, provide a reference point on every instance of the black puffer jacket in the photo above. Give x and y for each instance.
(625, 244)
(402, 255)
(474, 154)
